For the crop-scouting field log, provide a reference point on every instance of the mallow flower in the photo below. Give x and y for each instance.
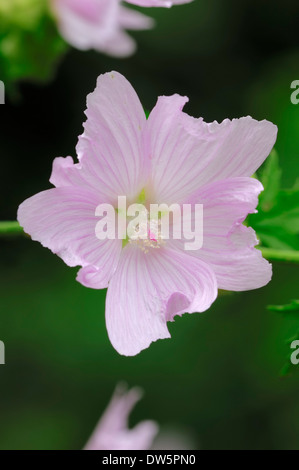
(112, 431)
(102, 24)
(99, 25)
(169, 158)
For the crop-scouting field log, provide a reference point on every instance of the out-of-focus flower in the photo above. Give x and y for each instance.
(169, 158)
(174, 438)
(99, 24)
(27, 33)
(33, 28)
(158, 3)
(112, 431)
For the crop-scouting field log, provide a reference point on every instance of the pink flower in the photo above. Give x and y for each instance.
(99, 24)
(158, 3)
(169, 158)
(112, 432)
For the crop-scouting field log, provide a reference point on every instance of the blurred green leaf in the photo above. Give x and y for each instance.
(277, 220)
(30, 45)
(288, 309)
(271, 180)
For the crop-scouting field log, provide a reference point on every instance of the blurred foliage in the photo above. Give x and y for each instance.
(277, 220)
(30, 45)
(291, 311)
(218, 375)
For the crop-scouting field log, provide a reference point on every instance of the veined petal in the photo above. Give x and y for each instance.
(66, 173)
(226, 203)
(111, 148)
(228, 246)
(237, 264)
(149, 289)
(188, 153)
(63, 220)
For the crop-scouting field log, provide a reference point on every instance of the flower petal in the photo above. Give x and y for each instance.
(120, 44)
(111, 148)
(149, 289)
(228, 246)
(66, 173)
(87, 25)
(63, 220)
(188, 153)
(134, 20)
(226, 203)
(112, 432)
(158, 3)
(237, 264)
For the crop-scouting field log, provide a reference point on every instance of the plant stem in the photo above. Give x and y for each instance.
(290, 256)
(10, 228)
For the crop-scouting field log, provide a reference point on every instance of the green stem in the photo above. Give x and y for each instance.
(271, 254)
(9, 228)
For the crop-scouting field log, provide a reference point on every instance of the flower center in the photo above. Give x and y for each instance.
(143, 228)
(146, 234)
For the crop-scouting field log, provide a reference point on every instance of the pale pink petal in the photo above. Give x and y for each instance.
(158, 3)
(187, 153)
(112, 432)
(63, 220)
(99, 25)
(237, 264)
(66, 173)
(111, 148)
(134, 20)
(228, 246)
(226, 203)
(96, 277)
(149, 289)
(87, 24)
(120, 44)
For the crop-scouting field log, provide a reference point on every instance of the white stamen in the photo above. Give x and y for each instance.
(147, 235)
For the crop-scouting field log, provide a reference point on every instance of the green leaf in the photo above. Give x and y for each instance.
(271, 180)
(30, 45)
(291, 310)
(277, 220)
(293, 306)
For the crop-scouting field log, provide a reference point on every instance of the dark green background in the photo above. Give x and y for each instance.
(218, 377)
